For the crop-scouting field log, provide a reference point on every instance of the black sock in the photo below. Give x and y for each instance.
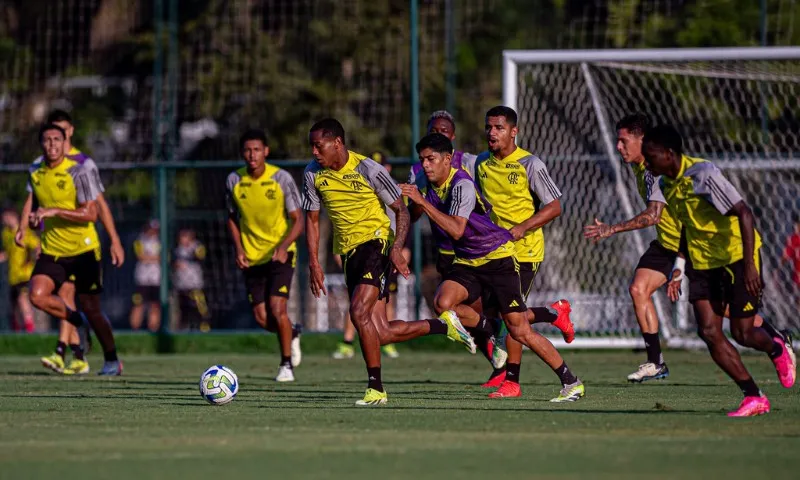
(348, 342)
(75, 318)
(496, 372)
(749, 388)
(544, 314)
(110, 356)
(773, 332)
(512, 372)
(437, 327)
(286, 361)
(297, 329)
(61, 347)
(653, 347)
(77, 351)
(375, 382)
(777, 350)
(482, 342)
(565, 375)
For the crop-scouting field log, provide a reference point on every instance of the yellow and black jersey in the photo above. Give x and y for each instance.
(20, 259)
(668, 230)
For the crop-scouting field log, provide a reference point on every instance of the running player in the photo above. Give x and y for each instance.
(355, 191)
(264, 223)
(484, 263)
(21, 260)
(65, 193)
(724, 249)
(524, 199)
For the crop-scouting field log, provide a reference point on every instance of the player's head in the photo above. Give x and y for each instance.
(63, 120)
(662, 147)
(441, 121)
(435, 153)
(51, 139)
(254, 149)
(630, 131)
(10, 218)
(501, 129)
(381, 158)
(152, 227)
(186, 236)
(326, 138)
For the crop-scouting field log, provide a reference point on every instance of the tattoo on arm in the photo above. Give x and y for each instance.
(651, 216)
(402, 222)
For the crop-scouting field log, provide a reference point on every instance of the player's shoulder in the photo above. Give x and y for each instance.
(531, 161)
(481, 159)
(313, 168)
(700, 170)
(282, 176)
(36, 164)
(235, 177)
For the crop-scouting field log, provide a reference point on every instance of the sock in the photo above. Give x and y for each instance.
(512, 372)
(485, 346)
(374, 374)
(749, 388)
(544, 314)
(77, 351)
(61, 347)
(295, 331)
(110, 356)
(496, 372)
(777, 350)
(348, 342)
(437, 327)
(286, 361)
(653, 347)
(565, 375)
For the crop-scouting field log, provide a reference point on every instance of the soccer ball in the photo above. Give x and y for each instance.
(219, 385)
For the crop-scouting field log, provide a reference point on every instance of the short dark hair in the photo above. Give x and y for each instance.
(253, 134)
(665, 136)
(59, 116)
(636, 123)
(444, 115)
(502, 111)
(330, 128)
(436, 142)
(51, 126)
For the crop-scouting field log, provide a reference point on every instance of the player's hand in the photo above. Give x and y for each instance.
(412, 193)
(399, 261)
(751, 279)
(280, 255)
(598, 231)
(241, 260)
(117, 254)
(317, 280)
(517, 231)
(19, 238)
(674, 286)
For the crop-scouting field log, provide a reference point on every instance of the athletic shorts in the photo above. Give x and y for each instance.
(444, 262)
(368, 264)
(83, 270)
(16, 290)
(391, 280)
(498, 279)
(193, 301)
(658, 258)
(527, 274)
(146, 294)
(725, 287)
(271, 279)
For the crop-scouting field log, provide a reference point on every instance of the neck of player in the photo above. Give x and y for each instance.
(54, 163)
(258, 171)
(341, 161)
(505, 151)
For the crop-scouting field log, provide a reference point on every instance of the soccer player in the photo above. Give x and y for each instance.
(188, 281)
(78, 338)
(524, 199)
(264, 223)
(147, 276)
(655, 266)
(724, 249)
(21, 260)
(64, 195)
(355, 191)
(485, 262)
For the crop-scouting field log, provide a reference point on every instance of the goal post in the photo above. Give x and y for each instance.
(739, 107)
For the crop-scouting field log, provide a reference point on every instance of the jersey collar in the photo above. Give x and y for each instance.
(442, 191)
(515, 156)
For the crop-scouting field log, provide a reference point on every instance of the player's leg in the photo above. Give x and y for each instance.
(644, 284)
(136, 316)
(92, 308)
(557, 314)
(345, 348)
(154, 309)
(69, 335)
(391, 310)
(23, 307)
(279, 316)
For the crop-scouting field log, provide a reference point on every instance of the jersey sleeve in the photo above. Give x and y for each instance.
(710, 184)
(468, 161)
(539, 180)
(311, 200)
(230, 183)
(87, 190)
(94, 174)
(380, 181)
(654, 193)
(462, 198)
(291, 196)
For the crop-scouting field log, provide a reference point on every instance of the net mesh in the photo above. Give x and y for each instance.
(745, 116)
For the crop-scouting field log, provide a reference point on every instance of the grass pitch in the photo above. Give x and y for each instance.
(152, 423)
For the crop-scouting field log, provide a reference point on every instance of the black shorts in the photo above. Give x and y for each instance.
(368, 264)
(391, 280)
(498, 279)
(726, 289)
(83, 270)
(658, 258)
(193, 302)
(444, 262)
(527, 274)
(271, 279)
(16, 290)
(146, 294)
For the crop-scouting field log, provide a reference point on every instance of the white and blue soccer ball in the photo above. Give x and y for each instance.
(219, 385)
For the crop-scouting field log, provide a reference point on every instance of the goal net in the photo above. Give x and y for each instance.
(737, 107)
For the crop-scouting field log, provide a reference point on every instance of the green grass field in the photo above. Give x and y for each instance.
(152, 423)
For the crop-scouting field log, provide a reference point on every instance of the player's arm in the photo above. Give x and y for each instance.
(542, 186)
(748, 232)
(647, 218)
(454, 222)
(291, 200)
(104, 212)
(24, 220)
(388, 192)
(312, 205)
(233, 222)
(86, 199)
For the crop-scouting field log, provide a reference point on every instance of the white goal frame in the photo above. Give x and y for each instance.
(512, 59)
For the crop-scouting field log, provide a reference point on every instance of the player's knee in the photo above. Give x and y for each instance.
(442, 303)
(360, 311)
(519, 331)
(38, 296)
(638, 292)
(710, 333)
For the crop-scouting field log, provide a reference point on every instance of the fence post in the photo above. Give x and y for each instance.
(414, 90)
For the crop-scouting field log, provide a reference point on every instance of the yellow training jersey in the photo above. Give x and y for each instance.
(21, 260)
(262, 206)
(668, 230)
(513, 187)
(67, 185)
(354, 197)
(699, 198)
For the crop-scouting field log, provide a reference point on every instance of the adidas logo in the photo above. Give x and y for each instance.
(368, 276)
(748, 307)
(242, 195)
(94, 286)
(513, 304)
(283, 289)
(324, 183)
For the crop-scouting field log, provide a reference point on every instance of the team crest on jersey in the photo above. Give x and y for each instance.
(356, 186)
(513, 178)
(270, 194)
(61, 184)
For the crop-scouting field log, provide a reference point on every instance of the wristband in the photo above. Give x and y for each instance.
(680, 265)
